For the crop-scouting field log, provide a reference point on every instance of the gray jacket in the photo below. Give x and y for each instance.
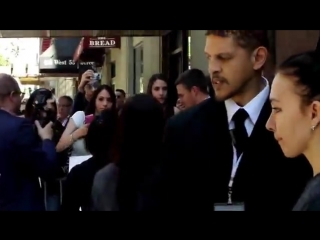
(104, 189)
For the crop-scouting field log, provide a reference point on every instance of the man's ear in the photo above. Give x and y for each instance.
(315, 114)
(259, 57)
(194, 90)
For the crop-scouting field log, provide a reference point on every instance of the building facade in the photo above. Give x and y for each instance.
(131, 66)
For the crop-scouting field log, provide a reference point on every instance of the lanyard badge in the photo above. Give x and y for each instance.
(230, 205)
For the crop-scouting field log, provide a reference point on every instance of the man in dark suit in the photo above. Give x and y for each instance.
(23, 156)
(219, 153)
(192, 88)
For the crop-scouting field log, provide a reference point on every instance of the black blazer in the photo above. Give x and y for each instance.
(198, 163)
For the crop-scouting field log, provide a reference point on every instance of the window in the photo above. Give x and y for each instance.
(141, 59)
(113, 69)
(138, 69)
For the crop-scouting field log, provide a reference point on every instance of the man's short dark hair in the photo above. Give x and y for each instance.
(121, 91)
(69, 99)
(249, 39)
(210, 87)
(193, 78)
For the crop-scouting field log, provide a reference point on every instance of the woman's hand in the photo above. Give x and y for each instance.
(80, 132)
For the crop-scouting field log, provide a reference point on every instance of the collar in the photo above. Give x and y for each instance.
(253, 107)
(63, 120)
(8, 111)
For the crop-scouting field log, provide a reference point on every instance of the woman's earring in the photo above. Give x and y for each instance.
(314, 127)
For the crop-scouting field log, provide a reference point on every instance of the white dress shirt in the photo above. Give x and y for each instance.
(64, 122)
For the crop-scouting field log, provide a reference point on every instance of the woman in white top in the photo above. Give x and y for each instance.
(102, 98)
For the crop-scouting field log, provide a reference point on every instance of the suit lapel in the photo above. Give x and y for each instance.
(216, 124)
(260, 127)
(222, 150)
(222, 128)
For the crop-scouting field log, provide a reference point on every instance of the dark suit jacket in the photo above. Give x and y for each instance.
(198, 165)
(23, 159)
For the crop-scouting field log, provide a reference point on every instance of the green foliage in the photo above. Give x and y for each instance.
(4, 61)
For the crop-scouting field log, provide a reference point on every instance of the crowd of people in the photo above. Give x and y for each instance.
(232, 142)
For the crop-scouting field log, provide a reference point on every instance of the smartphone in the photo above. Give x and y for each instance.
(96, 77)
(89, 119)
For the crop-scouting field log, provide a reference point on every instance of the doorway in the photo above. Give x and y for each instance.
(175, 59)
(138, 69)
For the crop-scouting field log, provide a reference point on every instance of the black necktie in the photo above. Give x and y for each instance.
(240, 135)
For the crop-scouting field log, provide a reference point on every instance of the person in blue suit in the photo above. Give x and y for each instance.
(27, 153)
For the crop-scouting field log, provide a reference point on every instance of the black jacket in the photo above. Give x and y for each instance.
(77, 188)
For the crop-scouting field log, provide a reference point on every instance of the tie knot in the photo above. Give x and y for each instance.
(240, 116)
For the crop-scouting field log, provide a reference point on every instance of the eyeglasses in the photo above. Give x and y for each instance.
(19, 93)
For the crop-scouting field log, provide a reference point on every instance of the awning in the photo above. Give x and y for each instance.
(79, 33)
(58, 58)
(96, 43)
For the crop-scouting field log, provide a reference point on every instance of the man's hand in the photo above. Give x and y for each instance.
(46, 132)
(86, 77)
(81, 132)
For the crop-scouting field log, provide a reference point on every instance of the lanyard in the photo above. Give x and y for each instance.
(235, 165)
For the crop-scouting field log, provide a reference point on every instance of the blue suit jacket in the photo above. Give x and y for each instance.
(23, 159)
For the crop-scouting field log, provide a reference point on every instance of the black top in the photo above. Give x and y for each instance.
(80, 103)
(77, 189)
(310, 198)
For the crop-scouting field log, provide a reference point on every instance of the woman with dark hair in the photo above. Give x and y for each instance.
(49, 105)
(295, 118)
(77, 190)
(124, 185)
(103, 98)
(158, 88)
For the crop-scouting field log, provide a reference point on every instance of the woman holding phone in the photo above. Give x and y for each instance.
(103, 98)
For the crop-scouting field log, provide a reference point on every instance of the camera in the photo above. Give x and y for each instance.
(42, 107)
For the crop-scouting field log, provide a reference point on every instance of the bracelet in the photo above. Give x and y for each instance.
(72, 140)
